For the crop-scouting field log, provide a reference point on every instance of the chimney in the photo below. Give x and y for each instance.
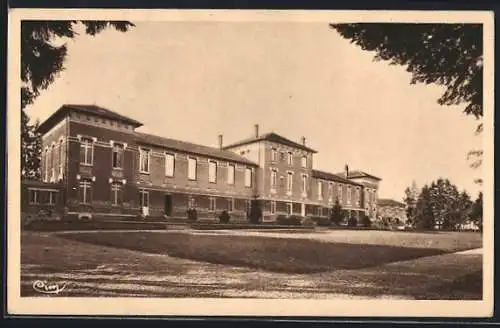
(303, 141)
(346, 170)
(256, 126)
(220, 141)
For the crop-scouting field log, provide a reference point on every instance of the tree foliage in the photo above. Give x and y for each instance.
(31, 148)
(441, 205)
(411, 196)
(476, 212)
(336, 213)
(41, 61)
(450, 55)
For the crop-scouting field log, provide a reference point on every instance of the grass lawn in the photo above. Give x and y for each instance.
(286, 255)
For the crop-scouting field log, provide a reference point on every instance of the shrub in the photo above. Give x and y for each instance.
(224, 217)
(308, 222)
(365, 221)
(336, 213)
(322, 221)
(352, 222)
(293, 220)
(255, 213)
(192, 215)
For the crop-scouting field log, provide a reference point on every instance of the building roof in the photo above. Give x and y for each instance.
(191, 148)
(86, 109)
(332, 177)
(274, 137)
(389, 202)
(358, 174)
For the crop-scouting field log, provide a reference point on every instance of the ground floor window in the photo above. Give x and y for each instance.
(191, 202)
(212, 204)
(85, 192)
(230, 205)
(52, 197)
(319, 211)
(273, 207)
(144, 198)
(116, 193)
(289, 208)
(34, 197)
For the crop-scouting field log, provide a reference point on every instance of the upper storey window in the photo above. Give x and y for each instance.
(304, 161)
(274, 154)
(117, 157)
(86, 151)
(192, 163)
(144, 156)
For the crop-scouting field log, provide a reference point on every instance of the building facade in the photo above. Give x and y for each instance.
(105, 168)
(392, 211)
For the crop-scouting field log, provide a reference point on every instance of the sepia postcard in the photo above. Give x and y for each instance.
(250, 163)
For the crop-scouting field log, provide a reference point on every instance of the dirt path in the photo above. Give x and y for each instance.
(90, 270)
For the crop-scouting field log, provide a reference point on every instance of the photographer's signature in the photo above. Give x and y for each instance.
(47, 288)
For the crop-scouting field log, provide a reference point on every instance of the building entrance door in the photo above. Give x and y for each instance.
(168, 205)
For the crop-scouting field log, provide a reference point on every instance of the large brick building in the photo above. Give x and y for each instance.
(103, 167)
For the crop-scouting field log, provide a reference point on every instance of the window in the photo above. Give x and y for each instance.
(46, 175)
(34, 197)
(357, 196)
(61, 157)
(282, 156)
(143, 198)
(348, 195)
(320, 190)
(191, 202)
(330, 189)
(304, 161)
(273, 207)
(230, 174)
(86, 151)
(52, 163)
(289, 208)
(248, 177)
(290, 158)
(212, 204)
(274, 174)
(339, 194)
(116, 193)
(230, 205)
(274, 154)
(144, 155)
(304, 183)
(85, 192)
(52, 197)
(289, 181)
(169, 165)
(212, 172)
(117, 157)
(192, 168)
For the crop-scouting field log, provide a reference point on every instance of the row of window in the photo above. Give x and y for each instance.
(289, 209)
(144, 163)
(85, 193)
(35, 197)
(87, 158)
(144, 202)
(288, 156)
(289, 181)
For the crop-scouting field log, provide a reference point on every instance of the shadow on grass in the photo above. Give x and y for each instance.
(271, 254)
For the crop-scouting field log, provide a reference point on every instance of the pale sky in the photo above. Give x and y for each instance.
(192, 81)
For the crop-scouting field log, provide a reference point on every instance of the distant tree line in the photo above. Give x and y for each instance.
(440, 205)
